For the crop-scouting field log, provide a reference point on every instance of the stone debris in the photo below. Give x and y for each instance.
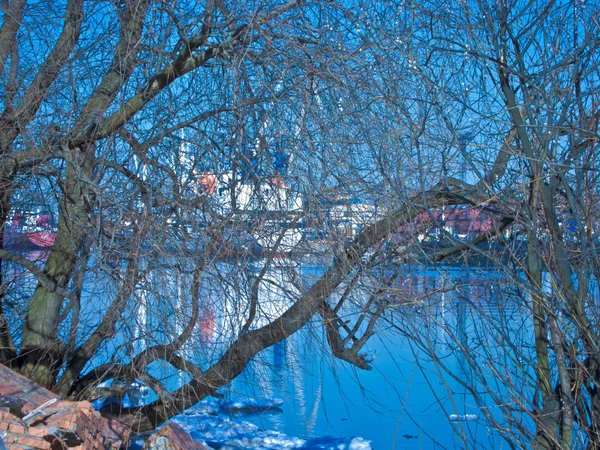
(172, 437)
(33, 417)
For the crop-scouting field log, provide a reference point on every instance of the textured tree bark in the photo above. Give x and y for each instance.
(8, 351)
(41, 351)
(13, 15)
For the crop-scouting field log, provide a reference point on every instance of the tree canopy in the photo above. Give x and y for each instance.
(162, 137)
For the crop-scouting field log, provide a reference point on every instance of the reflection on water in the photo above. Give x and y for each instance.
(436, 350)
(447, 345)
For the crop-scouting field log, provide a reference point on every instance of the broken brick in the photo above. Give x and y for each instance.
(16, 428)
(77, 423)
(34, 442)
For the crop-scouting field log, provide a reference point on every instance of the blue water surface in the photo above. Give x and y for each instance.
(405, 402)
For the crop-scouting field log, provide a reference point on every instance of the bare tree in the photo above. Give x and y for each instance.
(167, 136)
(119, 125)
(506, 120)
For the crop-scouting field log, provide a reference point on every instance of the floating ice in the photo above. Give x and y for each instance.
(137, 394)
(459, 417)
(202, 409)
(359, 443)
(219, 430)
(250, 404)
(331, 443)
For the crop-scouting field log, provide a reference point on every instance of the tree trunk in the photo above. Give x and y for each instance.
(7, 347)
(41, 351)
(547, 413)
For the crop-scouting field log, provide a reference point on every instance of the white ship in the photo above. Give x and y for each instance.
(270, 207)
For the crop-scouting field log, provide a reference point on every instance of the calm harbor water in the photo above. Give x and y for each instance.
(444, 331)
(406, 400)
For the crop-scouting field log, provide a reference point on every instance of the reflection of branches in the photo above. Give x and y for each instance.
(161, 351)
(166, 352)
(104, 330)
(263, 272)
(247, 345)
(484, 368)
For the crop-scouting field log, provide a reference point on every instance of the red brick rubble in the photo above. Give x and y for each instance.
(60, 425)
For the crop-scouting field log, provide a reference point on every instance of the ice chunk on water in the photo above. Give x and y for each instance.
(219, 430)
(359, 443)
(250, 404)
(460, 417)
(201, 409)
(225, 432)
(331, 443)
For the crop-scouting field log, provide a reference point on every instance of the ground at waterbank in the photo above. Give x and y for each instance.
(34, 417)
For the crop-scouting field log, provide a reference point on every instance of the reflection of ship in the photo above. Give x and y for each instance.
(207, 325)
(30, 230)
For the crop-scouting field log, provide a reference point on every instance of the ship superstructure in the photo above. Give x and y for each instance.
(264, 201)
